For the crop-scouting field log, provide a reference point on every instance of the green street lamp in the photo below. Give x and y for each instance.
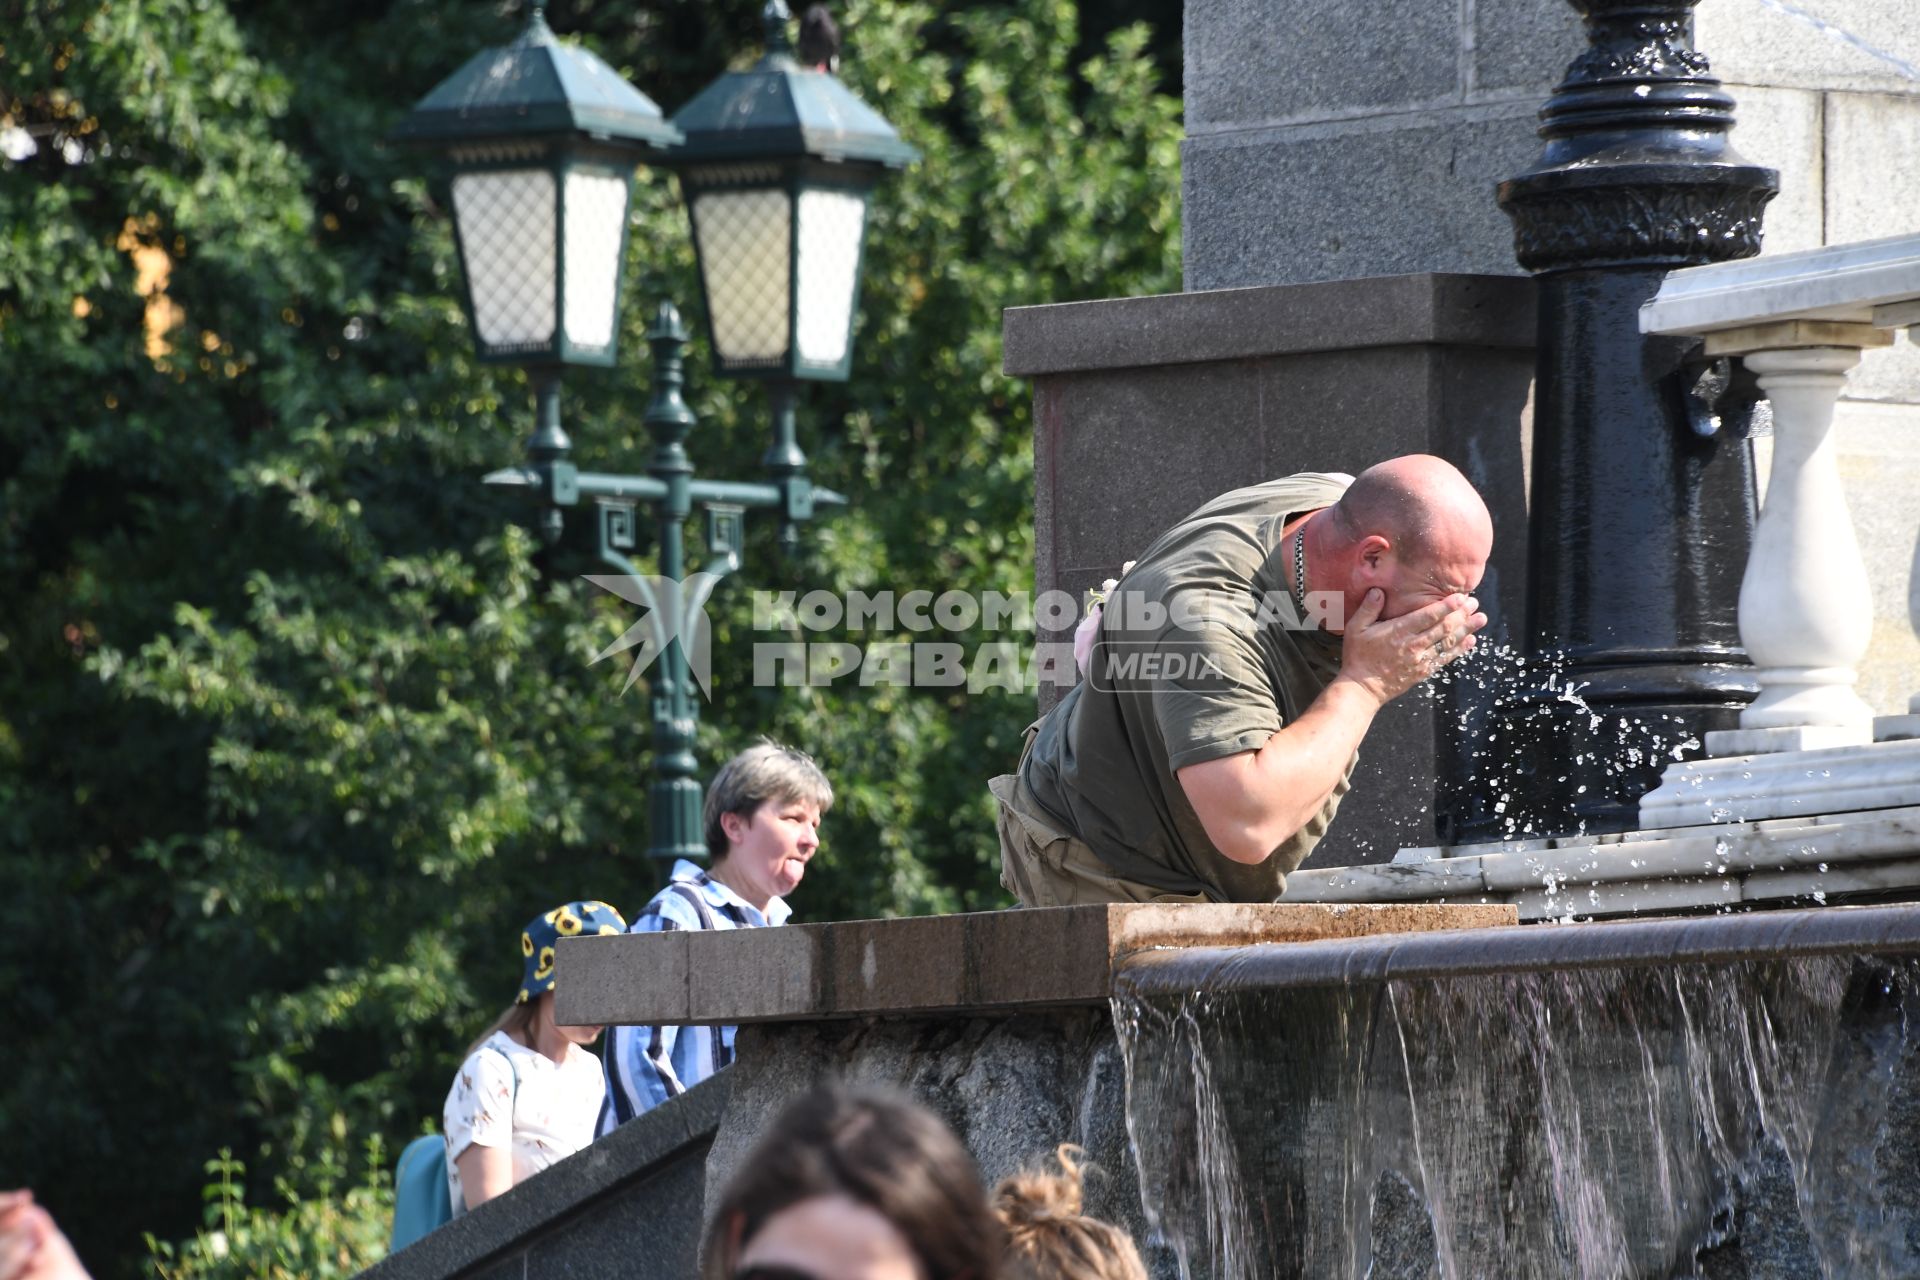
(776, 168)
(542, 139)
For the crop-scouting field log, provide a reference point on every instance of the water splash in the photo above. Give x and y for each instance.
(1508, 712)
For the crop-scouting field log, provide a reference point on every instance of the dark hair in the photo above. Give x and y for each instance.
(881, 1150)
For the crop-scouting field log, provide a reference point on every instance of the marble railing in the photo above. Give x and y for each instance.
(1801, 322)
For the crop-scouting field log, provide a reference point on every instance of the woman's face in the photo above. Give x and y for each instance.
(828, 1238)
(768, 849)
(578, 1035)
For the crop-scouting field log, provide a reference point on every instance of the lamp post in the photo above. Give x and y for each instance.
(1642, 509)
(542, 139)
(776, 168)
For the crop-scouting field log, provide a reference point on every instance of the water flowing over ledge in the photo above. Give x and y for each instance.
(1722, 1096)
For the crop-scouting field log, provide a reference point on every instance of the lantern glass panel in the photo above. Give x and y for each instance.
(831, 223)
(507, 237)
(596, 220)
(743, 238)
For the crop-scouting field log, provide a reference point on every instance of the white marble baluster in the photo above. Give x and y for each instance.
(1900, 728)
(1804, 747)
(1806, 616)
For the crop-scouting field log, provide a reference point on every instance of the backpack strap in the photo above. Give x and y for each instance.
(513, 1073)
(716, 1035)
(698, 899)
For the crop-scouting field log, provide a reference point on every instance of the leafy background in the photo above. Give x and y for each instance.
(296, 719)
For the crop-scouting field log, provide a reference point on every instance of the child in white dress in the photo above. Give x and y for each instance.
(529, 1091)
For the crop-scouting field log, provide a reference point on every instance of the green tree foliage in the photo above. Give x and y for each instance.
(335, 1232)
(297, 721)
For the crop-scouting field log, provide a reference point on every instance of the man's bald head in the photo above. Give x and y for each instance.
(1421, 504)
(1413, 527)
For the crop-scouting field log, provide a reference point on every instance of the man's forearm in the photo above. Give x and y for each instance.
(1251, 803)
(1301, 764)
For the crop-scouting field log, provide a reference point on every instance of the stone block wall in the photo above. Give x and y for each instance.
(1333, 140)
(1329, 140)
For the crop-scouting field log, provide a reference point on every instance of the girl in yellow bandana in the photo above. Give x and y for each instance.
(529, 1091)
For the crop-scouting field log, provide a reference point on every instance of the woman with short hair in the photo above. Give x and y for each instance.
(763, 815)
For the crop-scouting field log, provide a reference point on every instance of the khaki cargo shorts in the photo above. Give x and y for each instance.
(1044, 866)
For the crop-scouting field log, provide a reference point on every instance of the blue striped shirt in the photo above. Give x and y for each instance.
(648, 1065)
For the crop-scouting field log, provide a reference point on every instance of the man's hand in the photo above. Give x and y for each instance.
(1388, 658)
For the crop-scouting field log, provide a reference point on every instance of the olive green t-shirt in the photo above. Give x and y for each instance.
(1195, 660)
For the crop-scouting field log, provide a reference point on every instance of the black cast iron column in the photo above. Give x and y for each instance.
(1642, 514)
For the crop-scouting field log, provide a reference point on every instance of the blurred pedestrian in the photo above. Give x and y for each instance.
(852, 1185)
(1050, 1238)
(31, 1246)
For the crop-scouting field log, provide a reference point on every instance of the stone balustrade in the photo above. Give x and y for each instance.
(1801, 322)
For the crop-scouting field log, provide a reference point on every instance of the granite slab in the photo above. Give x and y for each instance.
(992, 961)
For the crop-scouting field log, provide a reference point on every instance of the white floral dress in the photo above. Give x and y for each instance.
(507, 1095)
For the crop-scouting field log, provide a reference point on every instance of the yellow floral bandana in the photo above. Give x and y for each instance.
(575, 919)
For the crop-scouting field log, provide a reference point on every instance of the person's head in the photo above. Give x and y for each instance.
(1049, 1238)
(1413, 527)
(850, 1185)
(763, 819)
(532, 1009)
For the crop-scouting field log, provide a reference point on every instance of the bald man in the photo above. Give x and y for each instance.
(1235, 671)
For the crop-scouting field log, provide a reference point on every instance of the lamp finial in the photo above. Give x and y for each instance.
(775, 16)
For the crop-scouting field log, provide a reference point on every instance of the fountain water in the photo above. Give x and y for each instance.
(1632, 1101)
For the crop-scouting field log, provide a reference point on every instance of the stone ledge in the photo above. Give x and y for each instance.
(493, 1234)
(1843, 282)
(991, 961)
(1289, 319)
(1774, 860)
